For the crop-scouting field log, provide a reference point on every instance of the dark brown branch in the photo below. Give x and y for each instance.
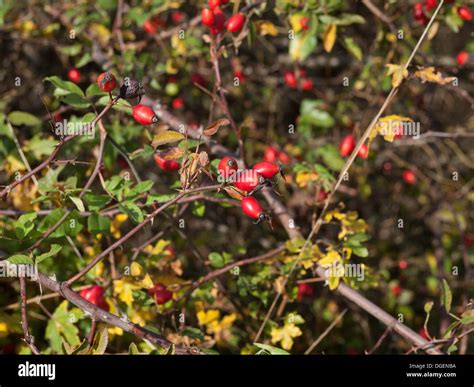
(108, 318)
(29, 339)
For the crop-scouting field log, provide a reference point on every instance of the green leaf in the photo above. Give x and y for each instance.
(330, 156)
(78, 203)
(96, 202)
(311, 112)
(270, 349)
(60, 326)
(159, 198)
(353, 47)
(302, 45)
(216, 260)
(101, 340)
(25, 224)
(195, 333)
(133, 350)
(98, 224)
(65, 86)
(132, 210)
(361, 252)
(447, 296)
(141, 187)
(76, 101)
(22, 118)
(467, 320)
(20, 259)
(199, 208)
(54, 250)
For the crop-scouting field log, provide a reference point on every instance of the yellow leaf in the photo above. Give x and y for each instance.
(3, 329)
(397, 72)
(125, 291)
(333, 282)
(304, 178)
(388, 127)
(100, 32)
(285, 335)
(295, 22)
(178, 44)
(330, 259)
(429, 74)
(166, 137)
(136, 270)
(206, 317)
(265, 27)
(329, 37)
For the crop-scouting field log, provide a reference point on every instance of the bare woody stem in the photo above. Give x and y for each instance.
(133, 231)
(29, 340)
(108, 318)
(53, 154)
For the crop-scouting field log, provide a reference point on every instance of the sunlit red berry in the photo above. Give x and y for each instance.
(248, 179)
(304, 23)
(74, 75)
(290, 79)
(363, 151)
(462, 58)
(430, 4)
(177, 16)
(227, 167)
(152, 24)
(95, 295)
(207, 17)
(166, 165)
(252, 208)
(396, 290)
(307, 84)
(235, 22)
(266, 169)
(402, 264)
(214, 3)
(270, 154)
(347, 145)
(161, 294)
(106, 82)
(409, 176)
(465, 13)
(144, 115)
(178, 103)
(304, 290)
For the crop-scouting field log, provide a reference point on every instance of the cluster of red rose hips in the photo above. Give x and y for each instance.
(293, 82)
(214, 18)
(421, 9)
(249, 181)
(152, 24)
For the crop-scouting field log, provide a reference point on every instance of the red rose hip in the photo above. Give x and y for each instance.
(235, 22)
(166, 165)
(74, 75)
(107, 82)
(144, 115)
(347, 145)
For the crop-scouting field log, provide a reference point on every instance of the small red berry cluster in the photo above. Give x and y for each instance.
(161, 294)
(293, 82)
(214, 18)
(422, 9)
(249, 181)
(348, 144)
